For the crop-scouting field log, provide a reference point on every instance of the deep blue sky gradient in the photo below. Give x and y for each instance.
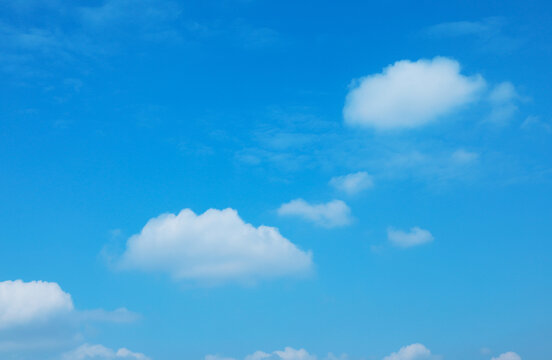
(148, 115)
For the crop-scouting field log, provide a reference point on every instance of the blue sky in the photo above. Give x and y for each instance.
(235, 179)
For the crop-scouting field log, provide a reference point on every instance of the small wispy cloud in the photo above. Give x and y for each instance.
(491, 34)
(334, 213)
(436, 166)
(535, 123)
(49, 35)
(503, 99)
(406, 239)
(100, 352)
(463, 157)
(238, 33)
(353, 183)
(411, 352)
(486, 27)
(75, 33)
(120, 315)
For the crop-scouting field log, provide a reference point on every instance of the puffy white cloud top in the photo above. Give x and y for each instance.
(216, 245)
(22, 303)
(414, 237)
(410, 352)
(410, 94)
(331, 214)
(507, 356)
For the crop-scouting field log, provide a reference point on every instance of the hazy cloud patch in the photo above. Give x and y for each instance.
(406, 239)
(353, 183)
(334, 213)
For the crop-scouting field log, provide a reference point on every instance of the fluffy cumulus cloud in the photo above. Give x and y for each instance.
(100, 352)
(39, 302)
(353, 183)
(216, 246)
(38, 320)
(507, 356)
(331, 214)
(410, 352)
(406, 239)
(410, 94)
(22, 303)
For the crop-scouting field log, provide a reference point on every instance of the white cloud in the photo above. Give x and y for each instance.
(292, 354)
(216, 245)
(22, 303)
(38, 302)
(410, 94)
(331, 214)
(100, 352)
(508, 356)
(287, 354)
(410, 352)
(38, 317)
(353, 183)
(127, 354)
(414, 237)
